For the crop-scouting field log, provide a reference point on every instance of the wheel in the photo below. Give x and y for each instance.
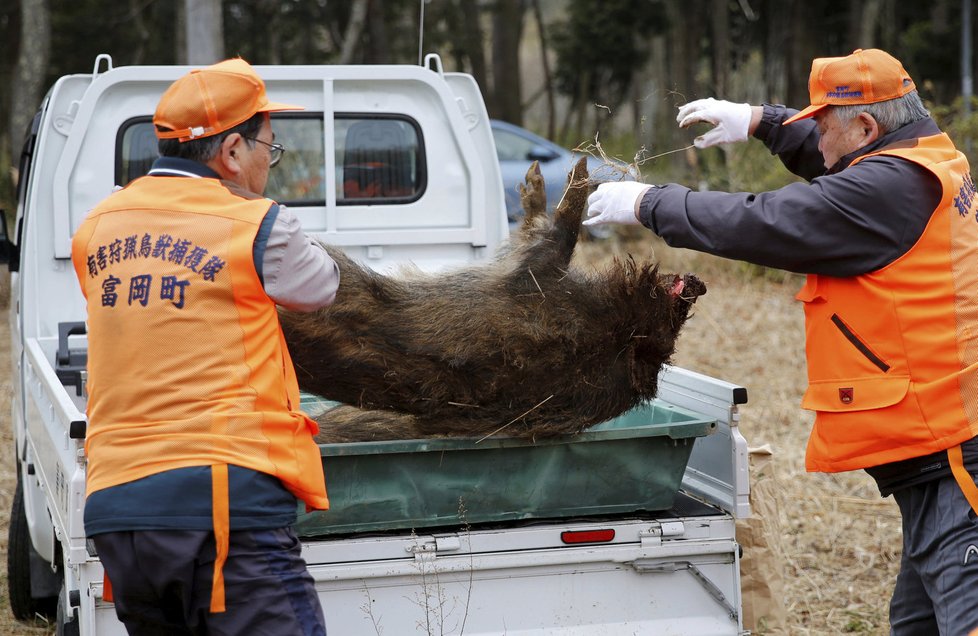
(19, 555)
(67, 624)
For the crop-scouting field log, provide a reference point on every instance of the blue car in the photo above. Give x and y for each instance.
(517, 148)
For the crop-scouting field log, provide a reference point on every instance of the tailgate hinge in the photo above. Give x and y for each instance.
(660, 530)
(449, 543)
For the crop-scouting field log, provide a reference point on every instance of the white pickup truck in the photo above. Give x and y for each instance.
(624, 529)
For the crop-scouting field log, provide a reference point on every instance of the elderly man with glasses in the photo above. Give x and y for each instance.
(197, 451)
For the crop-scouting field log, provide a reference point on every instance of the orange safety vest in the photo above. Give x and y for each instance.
(187, 362)
(893, 354)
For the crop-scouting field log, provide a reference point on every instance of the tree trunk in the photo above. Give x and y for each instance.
(473, 45)
(682, 41)
(354, 28)
(379, 51)
(720, 43)
(180, 30)
(139, 26)
(775, 51)
(854, 28)
(888, 26)
(30, 70)
(870, 20)
(803, 48)
(657, 103)
(506, 35)
(580, 104)
(545, 63)
(205, 31)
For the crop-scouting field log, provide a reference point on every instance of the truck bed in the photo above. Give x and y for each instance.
(626, 528)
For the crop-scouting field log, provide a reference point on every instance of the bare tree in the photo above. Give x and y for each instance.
(379, 51)
(30, 70)
(776, 40)
(545, 64)
(804, 45)
(864, 21)
(720, 43)
(473, 37)
(205, 31)
(354, 29)
(507, 30)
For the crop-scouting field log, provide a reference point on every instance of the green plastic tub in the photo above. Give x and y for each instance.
(634, 462)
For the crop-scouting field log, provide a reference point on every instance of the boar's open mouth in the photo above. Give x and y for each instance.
(685, 290)
(526, 345)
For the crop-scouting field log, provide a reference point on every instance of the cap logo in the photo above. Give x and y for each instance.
(843, 92)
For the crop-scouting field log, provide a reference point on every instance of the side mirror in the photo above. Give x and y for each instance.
(541, 154)
(5, 244)
(8, 251)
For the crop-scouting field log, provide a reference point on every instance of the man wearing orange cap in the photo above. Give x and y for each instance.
(886, 228)
(197, 450)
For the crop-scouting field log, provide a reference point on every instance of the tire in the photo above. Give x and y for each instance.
(67, 624)
(23, 605)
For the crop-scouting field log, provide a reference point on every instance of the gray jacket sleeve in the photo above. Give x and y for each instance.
(796, 144)
(298, 274)
(846, 223)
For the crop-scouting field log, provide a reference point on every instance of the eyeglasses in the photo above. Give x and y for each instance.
(275, 151)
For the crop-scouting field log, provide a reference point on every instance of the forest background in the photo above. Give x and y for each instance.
(571, 70)
(576, 71)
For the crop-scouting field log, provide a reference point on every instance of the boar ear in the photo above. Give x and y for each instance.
(567, 217)
(533, 197)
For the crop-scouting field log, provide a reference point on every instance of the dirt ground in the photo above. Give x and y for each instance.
(840, 540)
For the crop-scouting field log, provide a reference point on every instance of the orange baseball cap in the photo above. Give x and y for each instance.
(864, 77)
(210, 100)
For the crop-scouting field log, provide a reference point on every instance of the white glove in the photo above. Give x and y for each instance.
(615, 203)
(731, 120)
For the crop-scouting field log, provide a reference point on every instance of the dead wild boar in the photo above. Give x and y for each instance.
(523, 346)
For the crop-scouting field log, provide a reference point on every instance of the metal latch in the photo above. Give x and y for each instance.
(449, 543)
(660, 530)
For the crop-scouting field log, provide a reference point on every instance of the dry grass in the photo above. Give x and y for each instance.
(841, 541)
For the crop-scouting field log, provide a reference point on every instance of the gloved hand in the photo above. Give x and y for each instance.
(615, 203)
(731, 120)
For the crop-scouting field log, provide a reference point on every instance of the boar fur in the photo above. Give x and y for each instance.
(525, 346)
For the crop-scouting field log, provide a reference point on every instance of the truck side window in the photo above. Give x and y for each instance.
(378, 157)
(298, 180)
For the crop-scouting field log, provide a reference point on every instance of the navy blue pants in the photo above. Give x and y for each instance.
(936, 591)
(161, 583)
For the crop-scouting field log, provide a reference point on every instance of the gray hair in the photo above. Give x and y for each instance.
(204, 149)
(890, 114)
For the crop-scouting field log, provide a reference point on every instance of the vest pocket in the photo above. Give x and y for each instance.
(860, 346)
(859, 394)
